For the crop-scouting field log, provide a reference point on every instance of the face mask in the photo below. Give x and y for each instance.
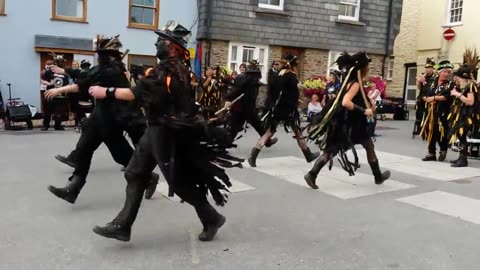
(163, 48)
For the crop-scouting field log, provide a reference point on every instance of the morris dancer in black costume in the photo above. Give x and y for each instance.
(465, 112)
(245, 109)
(435, 127)
(107, 122)
(177, 139)
(424, 82)
(285, 110)
(343, 123)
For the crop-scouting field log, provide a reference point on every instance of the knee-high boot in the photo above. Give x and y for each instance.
(70, 192)
(311, 176)
(252, 160)
(120, 227)
(211, 221)
(379, 176)
(309, 156)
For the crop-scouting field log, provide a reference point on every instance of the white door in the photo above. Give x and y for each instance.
(411, 85)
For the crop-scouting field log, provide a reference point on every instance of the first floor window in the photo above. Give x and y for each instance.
(70, 10)
(243, 53)
(2, 6)
(272, 4)
(390, 69)
(455, 11)
(140, 63)
(332, 57)
(349, 9)
(144, 13)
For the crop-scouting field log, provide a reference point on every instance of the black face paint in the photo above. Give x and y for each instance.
(163, 48)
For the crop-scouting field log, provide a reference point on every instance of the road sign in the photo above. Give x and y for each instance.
(449, 34)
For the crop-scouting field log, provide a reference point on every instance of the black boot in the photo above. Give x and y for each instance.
(309, 156)
(271, 142)
(252, 160)
(442, 156)
(115, 231)
(120, 227)
(71, 191)
(430, 157)
(379, 176)
(66, 160)
(211, 221)
(311, 176)
(152, 186)
(462, 160)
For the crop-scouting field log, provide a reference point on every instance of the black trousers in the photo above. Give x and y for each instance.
(88, 137)
(49, 111)
(95, 132)
(238, 119)
(437, 136)
(151, 151)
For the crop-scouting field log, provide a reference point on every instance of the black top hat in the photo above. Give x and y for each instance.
(85, 63)
(444, 64)
(104, 44)
(361, 59)
(175, 32)
(464, 72)
(430, 63)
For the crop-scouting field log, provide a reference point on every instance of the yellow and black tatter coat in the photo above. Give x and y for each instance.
(435, 121)
(464, 119)
(211, 97)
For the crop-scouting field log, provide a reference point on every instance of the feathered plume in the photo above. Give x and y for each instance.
(471, 58)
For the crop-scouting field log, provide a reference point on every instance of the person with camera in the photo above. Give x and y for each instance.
(51, 79)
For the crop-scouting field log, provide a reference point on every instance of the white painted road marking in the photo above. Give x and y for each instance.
(440, 171)
(335, 182)
(237, 186)
(449, 204)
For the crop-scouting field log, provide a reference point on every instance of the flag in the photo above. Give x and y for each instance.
(198, 61)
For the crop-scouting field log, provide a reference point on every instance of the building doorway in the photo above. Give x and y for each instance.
(410, 89)
(297, 52)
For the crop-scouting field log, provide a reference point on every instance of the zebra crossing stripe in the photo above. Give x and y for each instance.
(237, 186)
(440, 171)
(335, 182)
(445, 203)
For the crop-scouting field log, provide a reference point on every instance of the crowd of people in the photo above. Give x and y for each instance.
(448, 108)
(188, 135)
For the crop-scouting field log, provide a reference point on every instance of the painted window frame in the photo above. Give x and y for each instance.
(257, 48)
(357, 11)
(390, 68)
(82, 19)
(2, 7)
(449, 13)
(332, 56)
(275, 7)
(130, 56)
(156, 15)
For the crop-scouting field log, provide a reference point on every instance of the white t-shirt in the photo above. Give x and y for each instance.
(314, 108)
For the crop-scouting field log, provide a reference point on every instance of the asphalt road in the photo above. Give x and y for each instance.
(426, 217)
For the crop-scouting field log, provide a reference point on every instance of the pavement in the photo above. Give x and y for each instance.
(426, 217)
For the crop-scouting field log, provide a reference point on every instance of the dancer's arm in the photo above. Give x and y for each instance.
(100, 92)
(72, 88)
(348, 103)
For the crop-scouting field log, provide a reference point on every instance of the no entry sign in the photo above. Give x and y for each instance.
(448, 34)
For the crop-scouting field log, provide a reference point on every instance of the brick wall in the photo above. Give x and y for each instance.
(314, 62)
(219, 53)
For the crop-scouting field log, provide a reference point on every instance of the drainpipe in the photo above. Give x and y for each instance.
(389, 28)
(209, 38)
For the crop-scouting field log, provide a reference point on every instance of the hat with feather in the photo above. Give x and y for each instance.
(429, 63)
(470, 63)
(176, 33)
(105, 44)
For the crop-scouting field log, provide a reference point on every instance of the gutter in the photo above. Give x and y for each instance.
(389, 29)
